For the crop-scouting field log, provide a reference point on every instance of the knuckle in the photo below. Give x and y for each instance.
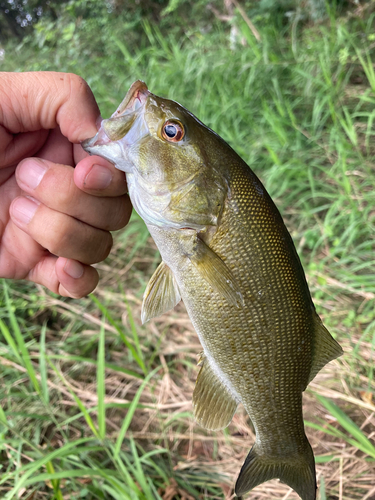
(76, 82)
(120, 215)
(78, 85)
(97, 246)
(60, 182)
(106, 245)
(61, 238)
(71, 238)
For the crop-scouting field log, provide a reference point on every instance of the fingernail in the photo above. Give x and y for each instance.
(23, 209)
(98, 178)
(31, 172)
(74, 269)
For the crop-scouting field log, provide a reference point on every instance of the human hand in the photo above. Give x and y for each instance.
(54, 219)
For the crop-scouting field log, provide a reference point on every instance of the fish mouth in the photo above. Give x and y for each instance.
(135, 97)
(134, 100)
(125, 127)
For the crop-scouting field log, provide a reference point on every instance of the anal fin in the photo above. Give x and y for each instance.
(161, 293)
(325, 348)
(213, 403)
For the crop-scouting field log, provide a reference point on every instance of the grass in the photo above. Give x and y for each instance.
(96, 406)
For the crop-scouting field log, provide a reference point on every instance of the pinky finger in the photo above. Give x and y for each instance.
(66, 277)
(76, 279)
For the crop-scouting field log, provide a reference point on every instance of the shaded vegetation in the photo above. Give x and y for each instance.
(96, 406)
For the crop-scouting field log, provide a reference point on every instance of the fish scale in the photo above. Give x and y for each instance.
(227, 253)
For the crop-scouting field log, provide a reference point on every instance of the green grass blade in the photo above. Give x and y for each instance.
(132, 349)
(42, 364)
(8, 337)
(3, 417)
(138, 470)
(55, 482)
(126, 470)
(21, 343)
(100, 379)
(110, 366)
(30, 468)
(130, 413)
(368, 68)
(134, 330)
(322, 489)
(360, 440)
(79, 403)
(65, 474)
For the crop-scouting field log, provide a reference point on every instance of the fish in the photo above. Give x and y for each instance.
(228, 255)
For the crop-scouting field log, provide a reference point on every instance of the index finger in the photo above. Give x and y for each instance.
(95, 175)
(43, 100)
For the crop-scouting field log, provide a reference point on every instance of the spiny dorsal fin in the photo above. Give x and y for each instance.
(161, 293)
(297, 471)
(216, 273)
(213, 404)
(325, 348)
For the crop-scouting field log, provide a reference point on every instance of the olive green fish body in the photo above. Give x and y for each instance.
(227, 253)
(262, 351)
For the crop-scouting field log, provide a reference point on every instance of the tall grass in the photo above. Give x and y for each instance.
(93, 405)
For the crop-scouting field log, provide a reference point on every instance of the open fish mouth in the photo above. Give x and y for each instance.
(125, 127)
(135, 97)
(122, 119)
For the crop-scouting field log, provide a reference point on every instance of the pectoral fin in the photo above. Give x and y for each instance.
(325, 348)
(216, 273)
(214, 405)
(161, 293)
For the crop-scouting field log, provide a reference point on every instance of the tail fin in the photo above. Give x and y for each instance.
(296, 471)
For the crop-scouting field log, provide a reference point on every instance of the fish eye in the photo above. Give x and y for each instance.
(173, 131)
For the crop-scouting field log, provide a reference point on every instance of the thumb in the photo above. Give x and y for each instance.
(44, 100)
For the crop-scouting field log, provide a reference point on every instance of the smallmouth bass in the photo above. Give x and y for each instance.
(227, 253)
